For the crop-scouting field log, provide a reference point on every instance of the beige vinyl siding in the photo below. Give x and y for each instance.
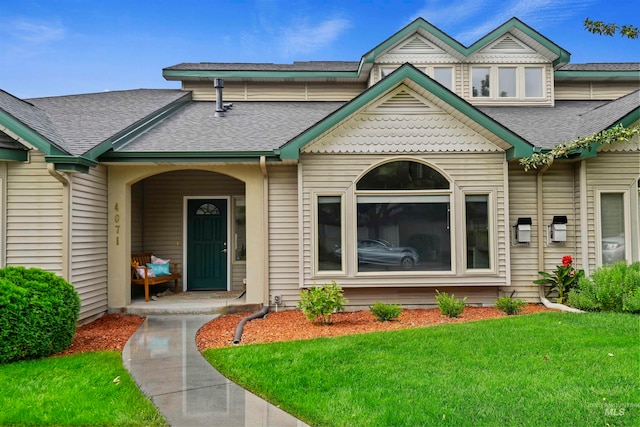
(284, 270)
(35, 217)
(524, 257)
(593, 90)
(362, 299)
(163, 209)
(89, 240)
(470, 172)
(560, 199)
(609, 172)
(254, 91)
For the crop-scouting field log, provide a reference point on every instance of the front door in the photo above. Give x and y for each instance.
(207, 244)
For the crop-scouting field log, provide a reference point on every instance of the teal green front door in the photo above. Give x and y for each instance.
(207, 244)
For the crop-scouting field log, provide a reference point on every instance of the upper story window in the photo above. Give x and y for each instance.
(515, 82)
(444, 76)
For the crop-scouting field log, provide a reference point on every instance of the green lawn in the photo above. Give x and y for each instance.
(550, 369)
(76, 390)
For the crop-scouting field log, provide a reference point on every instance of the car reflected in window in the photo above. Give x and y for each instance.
(381, 252)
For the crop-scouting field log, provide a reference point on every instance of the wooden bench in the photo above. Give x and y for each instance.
(139, 260)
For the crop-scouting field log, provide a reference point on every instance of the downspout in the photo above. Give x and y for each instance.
(265, 228)
(66, 219)
(237, 336)
(541, 236)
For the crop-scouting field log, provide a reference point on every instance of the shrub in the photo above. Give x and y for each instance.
(610, 288)
(38, 313)
(320, 302)
(385, 312)
(509, 305)
(449, 305)
(564, 278)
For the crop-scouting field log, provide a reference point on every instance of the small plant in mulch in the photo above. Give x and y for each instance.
(509, 305)
(320, 302)
(449, 305)
(385, 312)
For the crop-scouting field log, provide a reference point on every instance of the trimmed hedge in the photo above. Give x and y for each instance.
(38, 313)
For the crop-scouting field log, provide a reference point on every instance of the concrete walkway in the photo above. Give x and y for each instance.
(164, 361)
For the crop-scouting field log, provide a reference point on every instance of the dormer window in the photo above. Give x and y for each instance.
(514, 82)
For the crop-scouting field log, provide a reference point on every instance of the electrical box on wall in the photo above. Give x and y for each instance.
(522, 230)
(558, 229)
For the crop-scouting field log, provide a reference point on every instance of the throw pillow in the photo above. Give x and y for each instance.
(140, 271)
(156, 260)
(159, 269)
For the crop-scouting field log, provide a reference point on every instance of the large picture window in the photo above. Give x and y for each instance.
(403, 219)
(516, 82)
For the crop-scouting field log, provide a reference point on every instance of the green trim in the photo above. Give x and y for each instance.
(64, 167)
(187, 156)
(210, 74)
(71, 163)
(596, 74)
(626, 121)
(11, 154)
(563, 56)
(520, 147)
(127, 134)
(29, 135)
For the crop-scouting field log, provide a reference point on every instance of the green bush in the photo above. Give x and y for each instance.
(38, 313)
(610, 288)
(385, 312)
(449, 305)
(509, 305)
(320, 302)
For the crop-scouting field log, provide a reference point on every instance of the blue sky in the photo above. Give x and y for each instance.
(60, 47)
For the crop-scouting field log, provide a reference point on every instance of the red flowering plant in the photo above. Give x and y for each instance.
(564, 278)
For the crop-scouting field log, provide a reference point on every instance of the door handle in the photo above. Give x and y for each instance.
(224, 251)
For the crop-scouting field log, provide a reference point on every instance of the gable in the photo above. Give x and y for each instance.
(401, 121)
(415, 49)
(509, 49)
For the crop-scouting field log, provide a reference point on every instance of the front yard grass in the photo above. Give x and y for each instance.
(546, 369)
(77, 390)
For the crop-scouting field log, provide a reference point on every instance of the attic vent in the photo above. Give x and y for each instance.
(402, 102)
(508, 43)
(415, 45)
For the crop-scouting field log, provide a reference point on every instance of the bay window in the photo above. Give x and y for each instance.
(329, 233)
(477, 229)
(612, 227)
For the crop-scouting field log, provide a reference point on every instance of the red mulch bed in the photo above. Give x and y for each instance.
(111, 331)
(292, 325)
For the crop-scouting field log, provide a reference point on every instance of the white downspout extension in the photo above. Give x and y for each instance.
(265, 228)
(66, 220)
(541, 236)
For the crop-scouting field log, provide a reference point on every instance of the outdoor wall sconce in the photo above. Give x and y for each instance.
(558, 229)
(522, 230)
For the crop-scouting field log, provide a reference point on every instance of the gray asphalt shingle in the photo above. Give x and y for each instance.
(248, 126)
(248, 66)
(84, 121)
(602, 66)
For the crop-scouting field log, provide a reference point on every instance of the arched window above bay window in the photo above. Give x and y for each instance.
(403, 175)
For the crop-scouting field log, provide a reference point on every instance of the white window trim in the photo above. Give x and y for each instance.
(316, 238)
(234, 242)
(494, 83)
(492, 222)
(598, 221)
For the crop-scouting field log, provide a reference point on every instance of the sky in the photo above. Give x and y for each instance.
(63, 47)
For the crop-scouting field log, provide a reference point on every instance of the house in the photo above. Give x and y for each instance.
(393, 175)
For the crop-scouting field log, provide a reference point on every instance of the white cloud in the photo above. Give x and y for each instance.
(35, 32)
(302, 38)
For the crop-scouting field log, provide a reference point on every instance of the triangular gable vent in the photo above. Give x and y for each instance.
(509, 43)
(416, 45)
(403, 102)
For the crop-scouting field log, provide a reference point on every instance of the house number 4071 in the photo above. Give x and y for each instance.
(116, 219)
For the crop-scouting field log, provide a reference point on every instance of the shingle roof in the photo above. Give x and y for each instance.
(30, 115)
(248, 126)
(84, 121)
(602, 66)
(296, 66)
(547, 127)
